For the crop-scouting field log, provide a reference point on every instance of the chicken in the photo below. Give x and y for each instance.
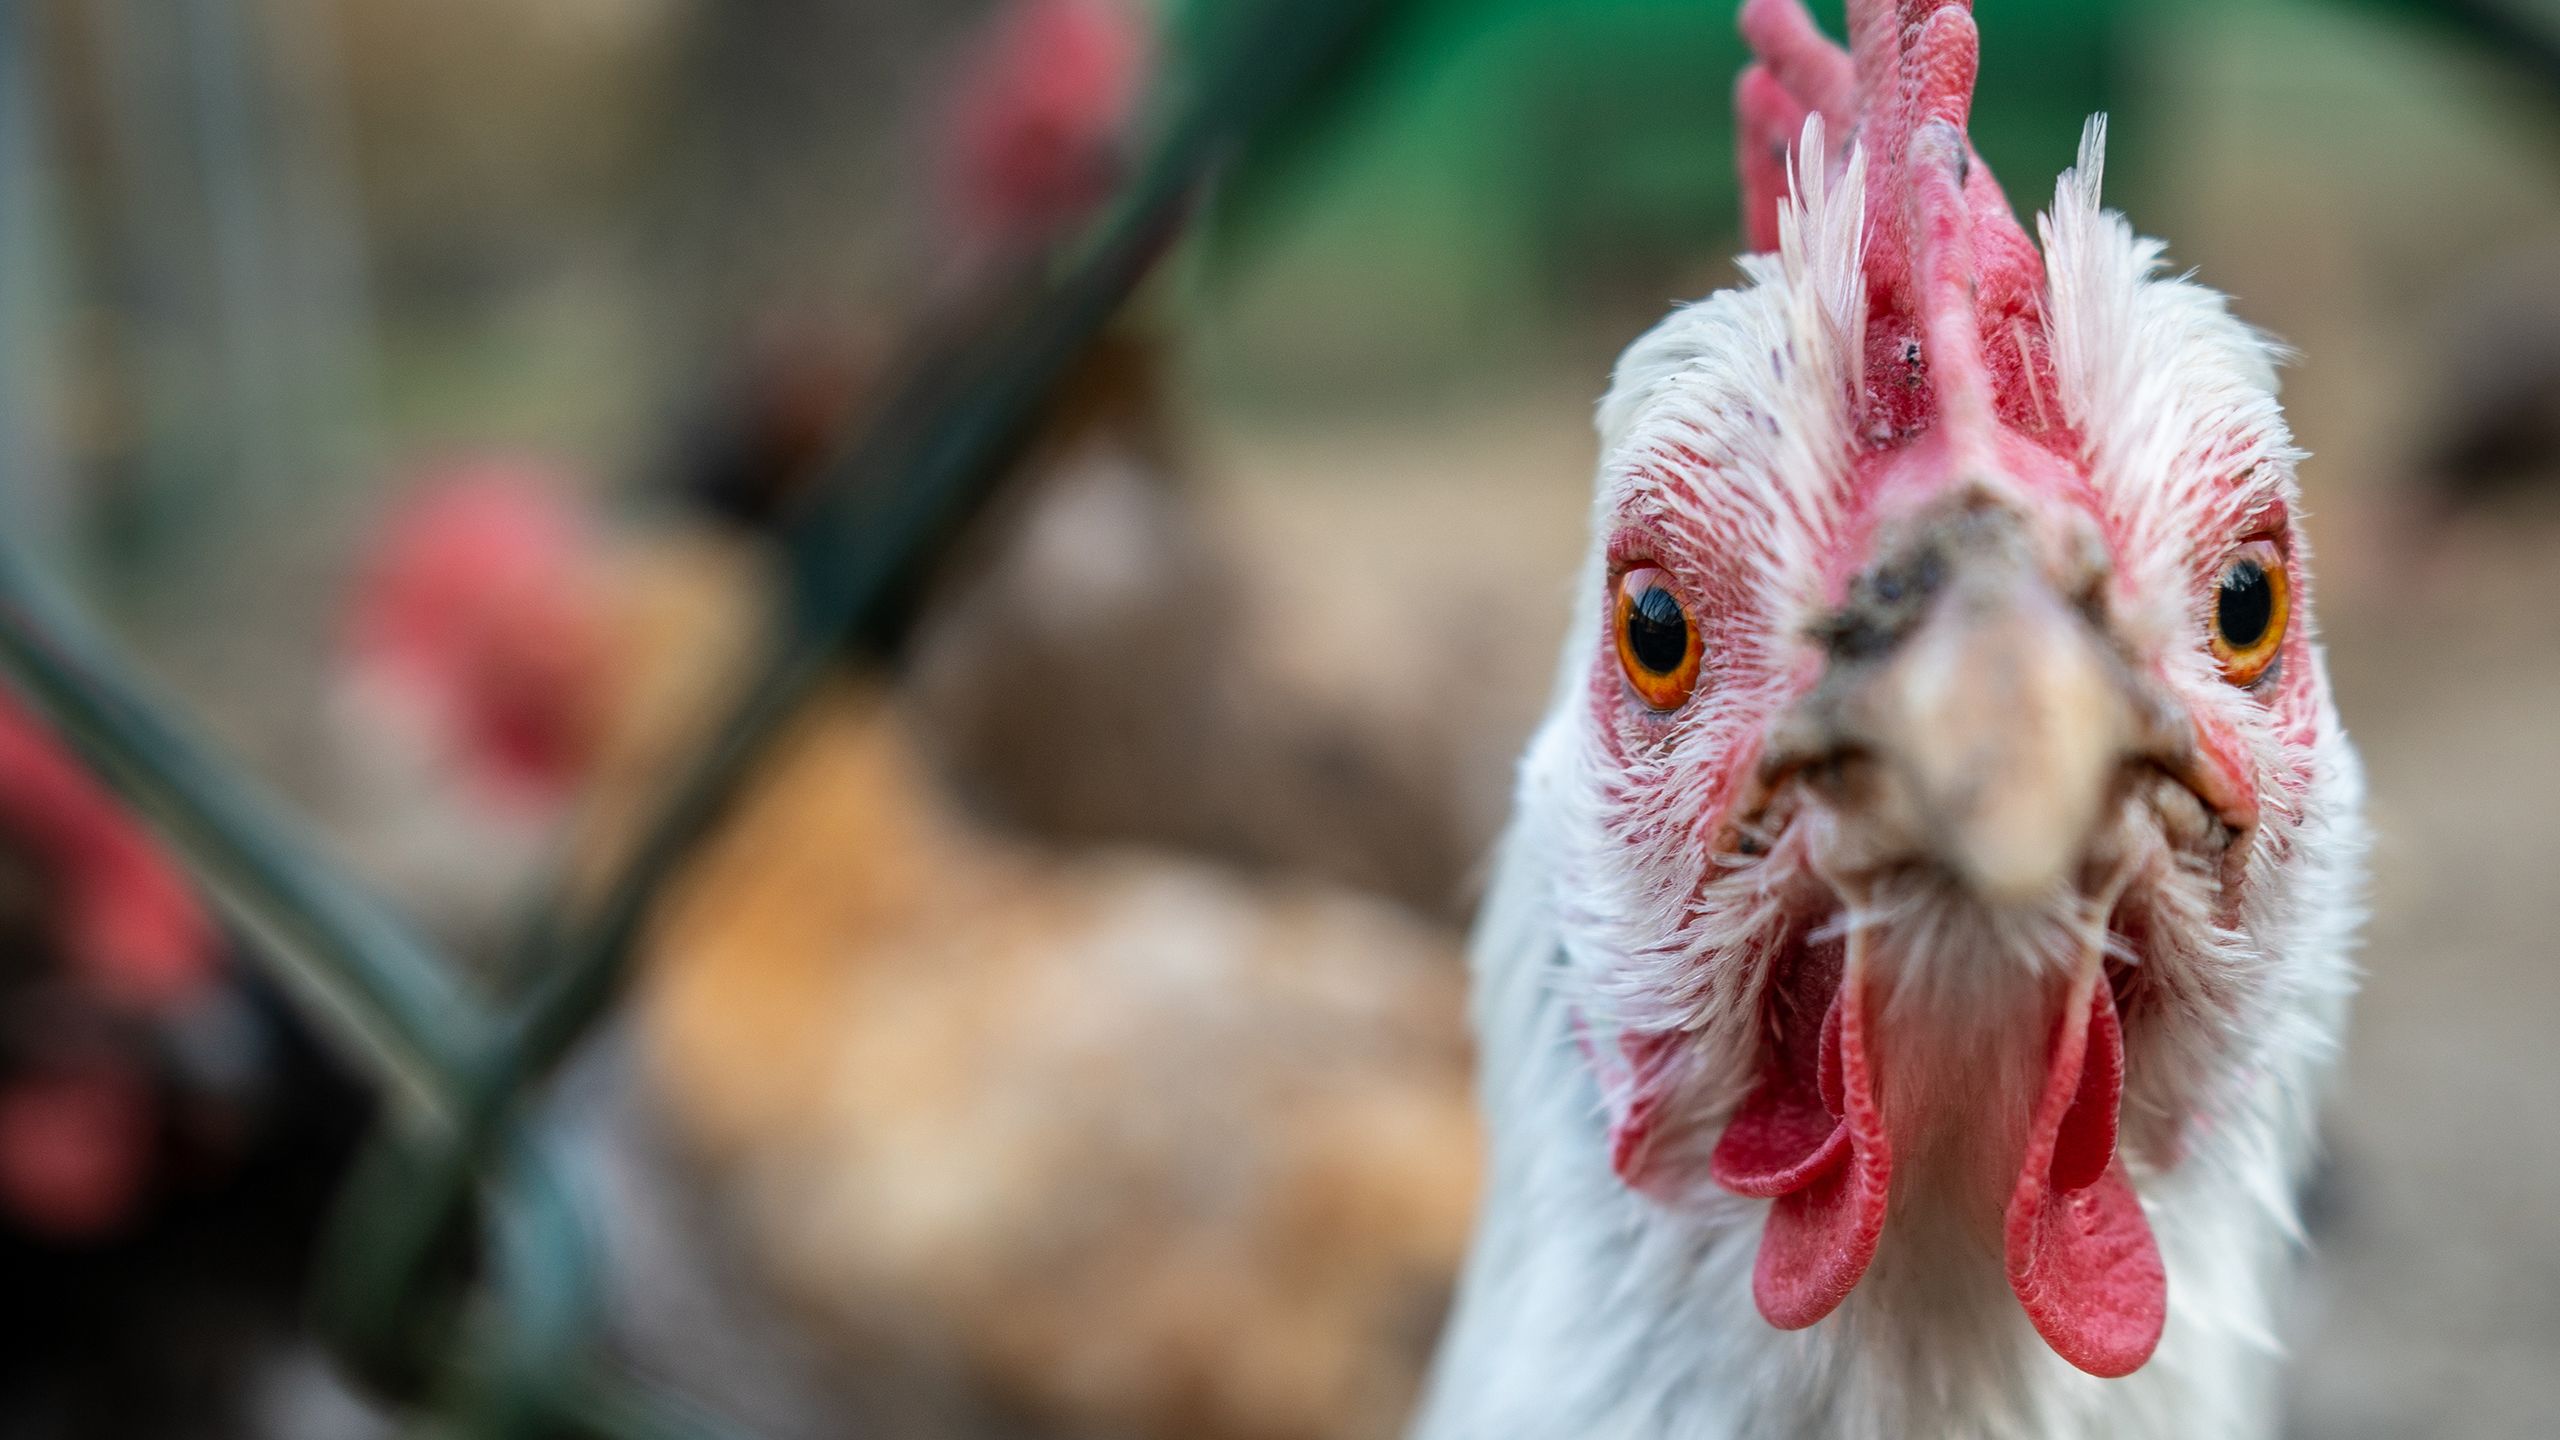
(1139, 1147)
(2489, 427)
(1095, 1140)
(1171, 714)
(1925, 917)
(107, 945)
(1136, 1145)
(168, 1136)
(1176, 710)
(475, 668)
(1111, 1141)
(1032, 141)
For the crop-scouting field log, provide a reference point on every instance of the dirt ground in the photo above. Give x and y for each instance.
(2435, 1303)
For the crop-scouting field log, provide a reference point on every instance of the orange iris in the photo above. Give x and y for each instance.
(2252, 603)
(1658, 646)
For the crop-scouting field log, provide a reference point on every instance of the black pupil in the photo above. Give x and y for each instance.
(1657, 633)
(2247, 605)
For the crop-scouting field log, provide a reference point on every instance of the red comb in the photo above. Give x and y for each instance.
(1955, 344)
(1947, 264)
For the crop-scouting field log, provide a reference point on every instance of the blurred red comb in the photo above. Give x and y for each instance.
(124, 913)
(1042, 107)
(480, 601)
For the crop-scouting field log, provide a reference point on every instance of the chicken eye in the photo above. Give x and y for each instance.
(1657, 646)
(2251, 603)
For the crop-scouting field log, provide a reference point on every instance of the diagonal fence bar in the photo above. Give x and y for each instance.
(346, 952)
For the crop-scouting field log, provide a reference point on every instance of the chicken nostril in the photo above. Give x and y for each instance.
(1884, 605)
(2184, 821)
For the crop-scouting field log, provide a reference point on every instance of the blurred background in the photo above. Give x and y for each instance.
(1061, 1036)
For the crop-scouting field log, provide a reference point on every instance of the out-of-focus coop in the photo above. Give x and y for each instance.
(832, 672)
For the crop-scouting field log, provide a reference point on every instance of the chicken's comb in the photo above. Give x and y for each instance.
(1947, 264)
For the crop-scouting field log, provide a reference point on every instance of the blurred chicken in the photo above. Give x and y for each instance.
(1126, 1143)
(2490, 423)
(1145, 1148)
(472, 684)
(1116, 1142)
(995, 1126)
(1071, 1142)
(107, 954)
(1178, 704)
(1036, 133)
(168, 1136)
(1172, 712)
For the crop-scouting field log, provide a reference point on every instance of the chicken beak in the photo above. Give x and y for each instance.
(2002, 723)
(1976, 722)
(1973, 718)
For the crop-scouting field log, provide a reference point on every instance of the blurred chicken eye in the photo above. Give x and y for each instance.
(1657, 646)
(2250, 607)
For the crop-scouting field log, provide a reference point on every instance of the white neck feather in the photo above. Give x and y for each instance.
(1588, 1311)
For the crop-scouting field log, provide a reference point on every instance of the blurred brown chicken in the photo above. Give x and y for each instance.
(1143, 1147)
(1100, 1140)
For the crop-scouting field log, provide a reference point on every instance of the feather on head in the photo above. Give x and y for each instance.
(1950, 275)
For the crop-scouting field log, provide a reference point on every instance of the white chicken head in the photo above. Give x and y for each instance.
(1951, 766)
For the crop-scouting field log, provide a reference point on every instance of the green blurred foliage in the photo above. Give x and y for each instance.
(1525, 166)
